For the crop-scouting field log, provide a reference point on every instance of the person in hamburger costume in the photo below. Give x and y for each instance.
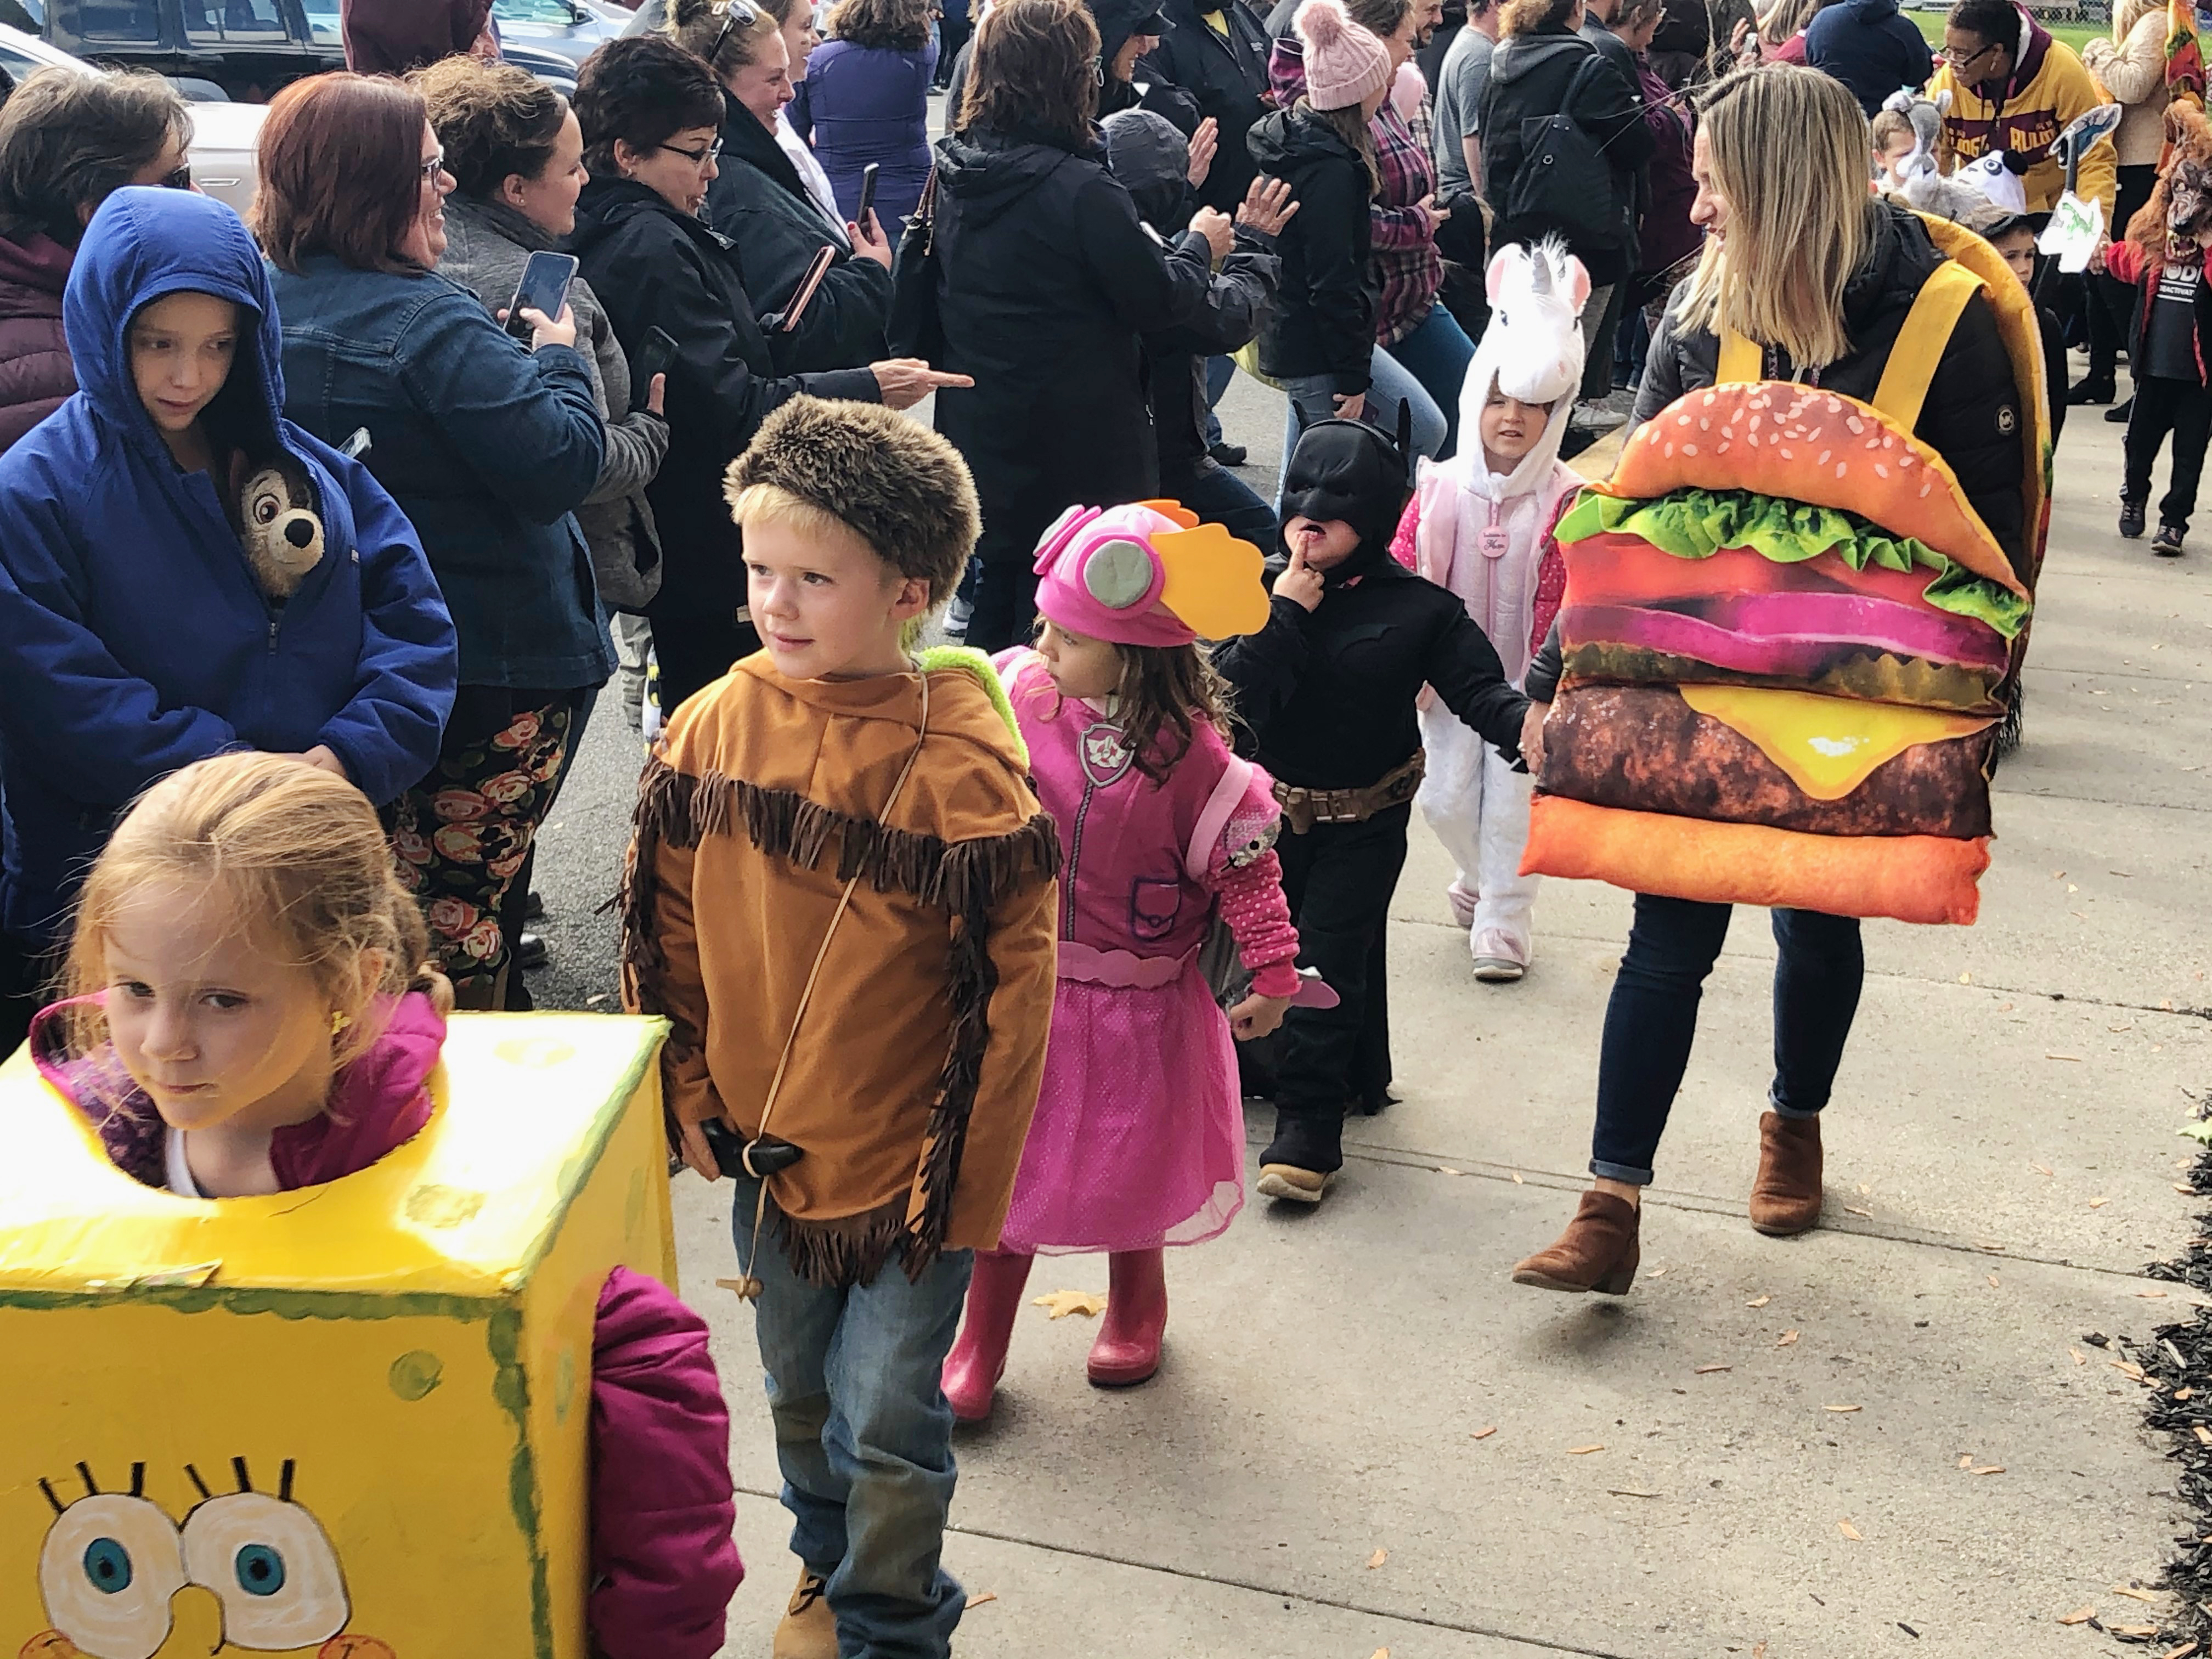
(1792, 620)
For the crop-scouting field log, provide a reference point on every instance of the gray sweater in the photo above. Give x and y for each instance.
(487, 244)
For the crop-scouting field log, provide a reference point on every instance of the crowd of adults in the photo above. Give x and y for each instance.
(1131, 205)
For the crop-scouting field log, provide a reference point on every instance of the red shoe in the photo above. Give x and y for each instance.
(978, 1359)
(1127, 1350)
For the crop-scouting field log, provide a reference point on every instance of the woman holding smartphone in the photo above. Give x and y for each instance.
(488, 443)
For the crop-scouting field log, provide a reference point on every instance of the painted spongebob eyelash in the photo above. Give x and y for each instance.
(91, 1487)
(244, 1481)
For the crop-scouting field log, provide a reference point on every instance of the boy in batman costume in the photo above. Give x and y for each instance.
(1328, 692)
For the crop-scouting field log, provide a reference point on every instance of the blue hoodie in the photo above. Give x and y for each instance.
(137, 639)
(1870, 47)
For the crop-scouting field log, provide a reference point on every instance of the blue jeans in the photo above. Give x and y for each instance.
(1652, 1018)
(864, 1438)
(1388, 385)
(1219, 496)
(1437, 355)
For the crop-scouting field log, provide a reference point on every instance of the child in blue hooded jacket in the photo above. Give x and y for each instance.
(140, 635)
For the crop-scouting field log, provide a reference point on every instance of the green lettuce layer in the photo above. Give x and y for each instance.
(1695, 524)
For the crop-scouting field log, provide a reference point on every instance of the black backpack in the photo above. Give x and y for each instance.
(1565, 184)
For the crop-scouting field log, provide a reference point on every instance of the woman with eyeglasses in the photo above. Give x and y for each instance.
(489, 442)
(759, 201)
(651, 116)
(864, 99)
(2014, 88)
(67, 139)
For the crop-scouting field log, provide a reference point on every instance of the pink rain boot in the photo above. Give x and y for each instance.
(1127, 1350)
(978, 1359)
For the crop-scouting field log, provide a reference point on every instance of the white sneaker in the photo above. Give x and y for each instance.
(1496, 961)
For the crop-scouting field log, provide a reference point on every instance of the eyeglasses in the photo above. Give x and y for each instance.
(432, 168)
(1952, 56)
(697, 158)
(737, 14)
(180, 180)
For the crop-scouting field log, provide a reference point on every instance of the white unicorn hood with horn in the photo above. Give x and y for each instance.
(1532, 351)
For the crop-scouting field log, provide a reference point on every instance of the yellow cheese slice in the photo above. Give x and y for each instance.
(1827, 746)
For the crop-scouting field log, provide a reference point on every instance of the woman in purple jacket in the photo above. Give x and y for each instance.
(865, 99)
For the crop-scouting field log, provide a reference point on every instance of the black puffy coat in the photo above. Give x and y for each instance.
(1046, 280)
(759, 202)
(654, 267)
(1226, 78)
(1530, 78)
(1323, 322)
(1972, 416)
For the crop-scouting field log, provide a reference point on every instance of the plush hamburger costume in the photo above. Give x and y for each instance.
(1787, 638)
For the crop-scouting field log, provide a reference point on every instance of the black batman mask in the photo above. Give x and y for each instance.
(1351, 470)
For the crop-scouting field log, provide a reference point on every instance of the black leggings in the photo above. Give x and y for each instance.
(1338, 879)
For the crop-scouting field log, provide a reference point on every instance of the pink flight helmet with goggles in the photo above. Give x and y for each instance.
(1148, 574)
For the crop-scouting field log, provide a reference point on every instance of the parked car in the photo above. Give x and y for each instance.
(224, 135)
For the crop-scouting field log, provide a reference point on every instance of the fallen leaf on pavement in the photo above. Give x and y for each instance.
(1516, 1179)
(1707, 1370)
(2080, 1359)
(1759, 1302)
(1849, 1531)
(2153, 1296)
(2178, 1188)
(2129, 1589)
(1089, 1303)
(1380, 1653)
(1377, 1559)
(1853, 1209)
(981, 1596)
(1628, 1491)
(1758, 1652)
(1585, 1451)
(2079, 1616)
(1994, 1284)
(2181, 1652)
(2131, 1630)
(1785, 1338)
(2042, 1169)
(1843, 1409)
(2076, 1058)
(1446, 1169)
(1657, 1272)
(1484, 1434)
(1993, 1469)
(1966, 1459)
(2203, 1434)
(2098, 1203)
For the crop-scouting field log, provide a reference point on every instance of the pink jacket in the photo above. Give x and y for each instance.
(663, 1565)
(1147, 862)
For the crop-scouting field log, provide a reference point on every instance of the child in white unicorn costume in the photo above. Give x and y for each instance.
(1478, 524)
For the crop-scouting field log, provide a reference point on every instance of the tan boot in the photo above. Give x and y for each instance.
(1785, 1199)
(809, 1629)
(1599, 1251)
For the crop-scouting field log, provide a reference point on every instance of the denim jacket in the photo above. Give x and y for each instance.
(486, 446)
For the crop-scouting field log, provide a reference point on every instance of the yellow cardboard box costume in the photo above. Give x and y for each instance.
(1787, 637)
(349, 1421)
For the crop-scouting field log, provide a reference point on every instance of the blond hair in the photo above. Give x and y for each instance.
(1795, 233)
(697, 26)
(300, 858)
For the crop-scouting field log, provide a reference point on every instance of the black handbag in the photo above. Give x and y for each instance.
(1565, 184)
(915, 328)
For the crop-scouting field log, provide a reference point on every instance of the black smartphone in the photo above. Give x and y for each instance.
(867, 193)
(654, 358)
(770, 1156)
(805, 292)
(543, 287)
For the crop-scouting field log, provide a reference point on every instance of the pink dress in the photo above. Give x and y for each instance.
(1138, 1136)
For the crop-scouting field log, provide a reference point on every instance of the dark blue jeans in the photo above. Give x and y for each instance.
(1652, 1020)
(864, 1437)
(1219, 496)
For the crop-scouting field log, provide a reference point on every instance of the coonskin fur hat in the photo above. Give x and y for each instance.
(894, 482)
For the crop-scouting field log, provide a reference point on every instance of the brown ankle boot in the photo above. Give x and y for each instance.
(1599, 1250)
(1785, 1199)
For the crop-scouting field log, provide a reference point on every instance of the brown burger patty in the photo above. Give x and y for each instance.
(1643, 749)
(1870, 676)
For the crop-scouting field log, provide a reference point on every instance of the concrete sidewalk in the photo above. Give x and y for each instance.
(2001, 1163)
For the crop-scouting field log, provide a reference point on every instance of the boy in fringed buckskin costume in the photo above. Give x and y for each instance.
(841, 894)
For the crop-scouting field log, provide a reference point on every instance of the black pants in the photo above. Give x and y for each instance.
(2184, 409)
(1005, 605)
(1338, 879)
(25, 971)
(2111, 301)
(1652, 1020)
(695, 645)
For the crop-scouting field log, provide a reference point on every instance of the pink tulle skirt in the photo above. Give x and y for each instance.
(1139, 1137)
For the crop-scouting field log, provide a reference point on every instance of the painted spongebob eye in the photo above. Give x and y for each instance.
(273, 1568)
(107, 1571)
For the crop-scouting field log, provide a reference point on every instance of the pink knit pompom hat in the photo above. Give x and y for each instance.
(1346, 65)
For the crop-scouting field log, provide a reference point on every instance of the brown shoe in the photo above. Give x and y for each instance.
(808, 1629)
(1599, 1250)
(1785, 1199)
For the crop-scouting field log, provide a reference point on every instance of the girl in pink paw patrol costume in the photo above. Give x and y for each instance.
(1139, 1138)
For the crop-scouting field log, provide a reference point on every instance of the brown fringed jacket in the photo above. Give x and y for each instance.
(916, 1065)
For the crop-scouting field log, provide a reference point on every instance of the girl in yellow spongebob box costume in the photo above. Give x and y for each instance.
(246, 1020)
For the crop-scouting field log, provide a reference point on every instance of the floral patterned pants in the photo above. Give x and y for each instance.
(463, 833)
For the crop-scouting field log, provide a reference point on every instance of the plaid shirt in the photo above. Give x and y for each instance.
(1408, 270)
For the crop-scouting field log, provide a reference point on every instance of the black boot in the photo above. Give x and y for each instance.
(2118, 413)
(1303, 1159)
(2093, 388)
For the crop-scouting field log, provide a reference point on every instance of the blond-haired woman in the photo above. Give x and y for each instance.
(2131, 67)
(1803, 263)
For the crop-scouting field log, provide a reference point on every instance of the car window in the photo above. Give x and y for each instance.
(29, 15)
(323, 26)
(137, 21)
(533, 11)
(17, 63)
(238, 21)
